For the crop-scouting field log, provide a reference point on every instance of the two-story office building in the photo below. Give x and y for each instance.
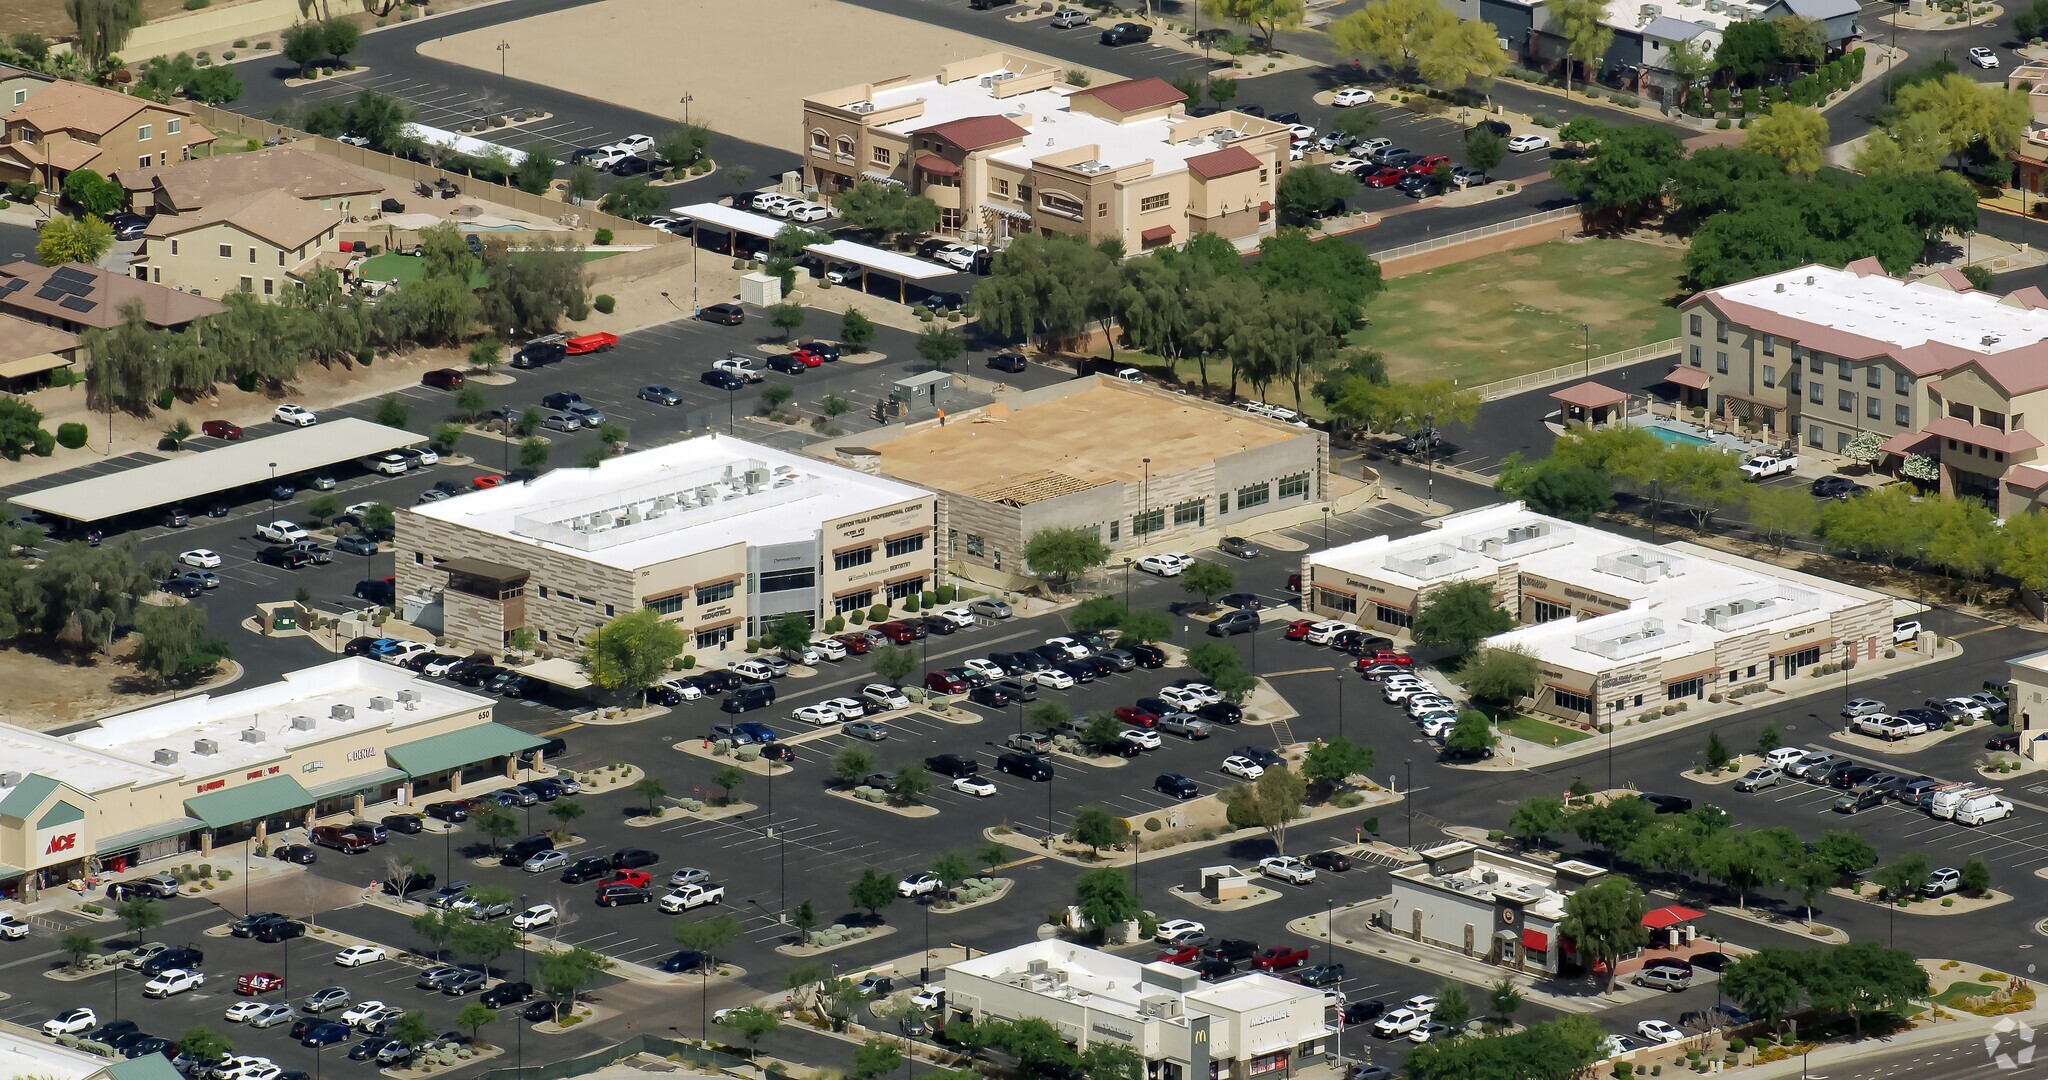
(55, 127)
(719, 535)
(1938, 369)
(1003, 148)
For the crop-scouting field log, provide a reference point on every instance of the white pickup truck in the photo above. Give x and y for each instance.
(743, 366)
(1764, 465)
(280, 532)
(686, 897)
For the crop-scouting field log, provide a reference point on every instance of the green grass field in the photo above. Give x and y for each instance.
(1541, 732)
(404, 269)
(1521, 311)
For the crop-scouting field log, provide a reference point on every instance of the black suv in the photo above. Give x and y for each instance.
(1125, 33)
(952, 765)
(633, 858)
(1028, 766)
(506, 993)
(587, 868)
(1232, 950)
(173, 958)
(536, 353)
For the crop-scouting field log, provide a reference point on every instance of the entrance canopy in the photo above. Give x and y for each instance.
(1669, 916)
(234, 465)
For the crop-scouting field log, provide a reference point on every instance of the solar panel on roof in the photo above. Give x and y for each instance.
(67, 274)
(49, 292)
(7, 287)
(78, 303)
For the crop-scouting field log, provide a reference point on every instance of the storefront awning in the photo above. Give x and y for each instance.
(135, 838)
(1669, 916)
(265, 798)
(1158, 234)
(441, 753)
(1536, 941)
(349, 785)
(1693, 377)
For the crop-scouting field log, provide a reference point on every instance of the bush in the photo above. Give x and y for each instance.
(71, 436)
(604, 237)
(1543, 120)
(604, 303)
(45, 443)
(241, 43)
(195, 5)
(1723, 124)
(857, 616)
(753, 644)
(165, 398)
(878, 613)
(945, 593)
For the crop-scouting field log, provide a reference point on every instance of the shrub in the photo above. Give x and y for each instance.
(945, 593)
(165, 397)
(1723, 124)
(195, 5)
(604, 303)
(878, 613)
(241, 43)
(71, 436)
(753, 644)
(604, 237)
(857, 616)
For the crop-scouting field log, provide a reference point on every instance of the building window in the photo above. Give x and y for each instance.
(1327, 600)
(952, 539)
(1265, 174)
(1845, 400)
(1223, 504)
(1695, 356)
(1057, 202)
(853, 602)
(1003, 188)
(252, 254)
(1690, 688)
(774, 581)
(906, 588)
(1152, 204)
(1902, 383)
(1873, 376)
(1294, 487)
(1872, 409)
(973, 545)
(711, 594)
(904, 546)
(667, 605)
(1770, 376)
(1151, 521)
(1546, 611)
(1815, 392)
(248, 285)
(1189, 512)
(1102, 209)
(1813, 435)
(1721, 363)
(269, 287)
(880, 156)
(1991, 419)
(712, 639)
(1388, 616)
(1792, 379)
(1798, 660)
(142, 132)
(171, 127)
(1843, 371)
(174, 247)
(1770, 345)
(847, 560)
(845, 147)
(20, 96)
(1721, 331)
(821, 141)
(1116, 530)
(1696, 326)
(1960, 411)
(1902, 415)
(227, 251)
(1570, 702)
(1814, 363)
(1253, 495)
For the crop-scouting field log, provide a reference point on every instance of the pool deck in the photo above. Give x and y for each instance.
(1678, 432)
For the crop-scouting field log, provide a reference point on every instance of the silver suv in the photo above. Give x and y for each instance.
(1068, 18)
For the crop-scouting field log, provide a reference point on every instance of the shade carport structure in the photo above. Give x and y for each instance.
(865, 259)
(234, 465)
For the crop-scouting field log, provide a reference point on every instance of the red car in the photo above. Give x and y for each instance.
(1298, 629)
(1280, 958)
(1380, 178)
(221, 429)
(807, 357)
(1186, 955)
(856, 644)
(639, 879)
(940, 682)
(488, 480)
(1384, 656)
(333, 836)
(1423, 166)
(1136, 717)
(258, 982)
(901, 633)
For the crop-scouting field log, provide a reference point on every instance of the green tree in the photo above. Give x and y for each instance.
(475, 1015)
(1307, 194)
(1582, 24)
(436, 927)
(1558, 488)
(892, 663)
(1453, 1005)
(340, 36)
(632, 650)
(379, 517)
(1536, 819)
(67, 239)
(1782, 513)
(1106, 1061)
(79, 945)
(392, 411)
(583, 183)
(728, 779)
(684, 145)
(787, 317)
(886, 210)
(382, 119)
(1460, 615)
(952, 868)
(789, 633)
(1485, 149)
(1863, 977)
(1718, 754)
(1767, 982)
(304, 43)
(634, 199)
(486, 941)
(1147, 628)
(497, 823)
(565, 812)
(1472, 731)
(805, 919)
(140, 915)
(1105, 898)
(1605, 919)
(652, 791)
(205, 1044)
(1965, 111)
(940, 344)
(1390, 33)
(1744, 860)
(876, 1058)
(1903, 876)
(1333, 762)
(19, 424)
(175, 645)
(1501, 675)
(1795, 136)
(103, 27)
(1976, 877)
(871, 892)
(1357, 123)
(1059, 555)
(1466, 55)
(751, 1024)
(92, 194)
(856, 331)
(1050, 288)
(1270, 16)
(1504, 998)
(913, 780)
(1271, 803)
(1208, 579)
(535, 172)
(564, 974)
(707, 936)
(1845, 852)
(1102, 733)
(1097, 828)
(1614, 824)
(1099, 613)
(1627, 170)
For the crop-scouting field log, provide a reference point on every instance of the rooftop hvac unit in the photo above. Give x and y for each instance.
(252, 734)
(302, 723)
(861, 107)
(10, 779)
(342, 712)
(380, 704)
(166, 756)
(1648, 11)
(205, 747)
(757, 477)
(408, 695)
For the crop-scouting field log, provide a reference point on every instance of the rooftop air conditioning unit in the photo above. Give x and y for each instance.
(252, 734)
(302, 723)
(205, 747)
(166, 756)
(861, 107)
(380, 704)
(408, 695)
(10, 779)
(342, 712)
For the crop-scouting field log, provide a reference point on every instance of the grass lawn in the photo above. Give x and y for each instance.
(1961, 991)
(1541, 732)
(405, 269)
(1520, 311)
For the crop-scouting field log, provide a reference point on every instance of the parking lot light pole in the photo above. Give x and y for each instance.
(1330, 932)
(1326, 527)
(731, 392)
(273, 491)
(503, 48)
(1340, 702)
(1408, 790)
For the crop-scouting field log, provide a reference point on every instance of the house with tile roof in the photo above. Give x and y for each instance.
(1819, 355)
(75, 297)
(260, 243)
(56, 127)
(1003, 147)
(182, 187)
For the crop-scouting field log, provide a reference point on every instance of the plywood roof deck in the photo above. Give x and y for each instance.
(1077, 442)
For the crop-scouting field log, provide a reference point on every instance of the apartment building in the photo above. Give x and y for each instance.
(1003, 148)
(259, 243)
(1819, 354)
(719, 535)
(55, 127)
(1621, 628)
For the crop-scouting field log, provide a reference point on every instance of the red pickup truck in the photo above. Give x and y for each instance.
(1280, 958)
(590, 343)
(902, 633)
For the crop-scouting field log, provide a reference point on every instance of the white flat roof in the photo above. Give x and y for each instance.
(673, 501)
(312, 693)
(1903, 314)
(25, 1057)
(761, 225)
(230, 465)
(726, 217)
(1116, 984)
(463, 144)
(1680, 596)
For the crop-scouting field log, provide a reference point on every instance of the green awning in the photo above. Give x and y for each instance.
(349, 785)
(26, 796)
(249, 802)
(61, 814)
(135, 838)
(146, 1067)
(441, 753)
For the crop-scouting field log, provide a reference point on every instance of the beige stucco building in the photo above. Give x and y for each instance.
(717, 534)
(53, 127)
(1621, 628)
(259, 244)
(1004, 148)
(184, 186)
(181, 776)
(1052, 458)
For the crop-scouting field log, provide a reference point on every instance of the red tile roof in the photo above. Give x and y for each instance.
(1228, 161)
(1990, 438)
(1157, 234)
(2027, 477)
(1688, 376)
(1135, 95)
(976, 132)
(936, 165)
(1589, 395)
(1906, 442)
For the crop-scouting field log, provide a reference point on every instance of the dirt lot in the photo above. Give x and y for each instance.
(47, 17)
(625, 52)
(44, 693)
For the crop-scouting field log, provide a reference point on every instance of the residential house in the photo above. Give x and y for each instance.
(66, 125)
(256, 243)
(75, 297)
(181, 187)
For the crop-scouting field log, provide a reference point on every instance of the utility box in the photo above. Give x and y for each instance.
(761, 290)
(1225, 883)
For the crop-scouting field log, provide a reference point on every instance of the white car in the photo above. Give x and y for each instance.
(70, 1022)
(989, 668)
(535, 917)
(1345, 164)
(1983, 57)
(769, 204)
(1322, 632)
(818, 715)
(1140, 738)
(174, 981)
(1657, 1031)
(248, 1068)
(1243, 768)
(1067, 18)
(362, 1011)
(243, 1010)
(849, 709)
(357, 510)
(1906, 633)
(295, 415)
(809, 211)
(282, 532)
(975, 786)
(1398, 1022)
(1437, 725)
(920, 885)
(405, 650)
(358, 955)
(1422, 1003)
(1522, 144)
(1783, 756)
(1074, 649)
(829, 649)
(1191, 697)
(1163, 565)
(545, 861)
(636, 144)
(886, 696)
(960, 256)
(1054, 679)
(962, 617)
(1301, 132)
(1173, 930)
(682, 685)
(1352, 95)
(1287, 868)
(604, 157)
(200, 557)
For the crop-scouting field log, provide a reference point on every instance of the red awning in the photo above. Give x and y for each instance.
(1688, 376)
(1906, 442)
(1536, 941)
(936, 165)
(1669, 916)
(1590, 395)
(1158, 234)
(1265, 208)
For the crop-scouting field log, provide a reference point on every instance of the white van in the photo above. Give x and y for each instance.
(1981, 809)
(1944, 802)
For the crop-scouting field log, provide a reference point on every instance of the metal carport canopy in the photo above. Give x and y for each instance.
(233, 465)
(866, 256)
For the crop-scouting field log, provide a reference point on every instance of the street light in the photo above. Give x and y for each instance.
(1145, 499)
(687, 98)
(503, 48)
(1429, 455)
(1326, 527)
(1588, 329)
(1340, 702)
(273, 491)
(1408, 789)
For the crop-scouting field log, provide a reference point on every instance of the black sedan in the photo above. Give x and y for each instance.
(300, 854)
(1329, 860)
(722, 380)
(1834, 487)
